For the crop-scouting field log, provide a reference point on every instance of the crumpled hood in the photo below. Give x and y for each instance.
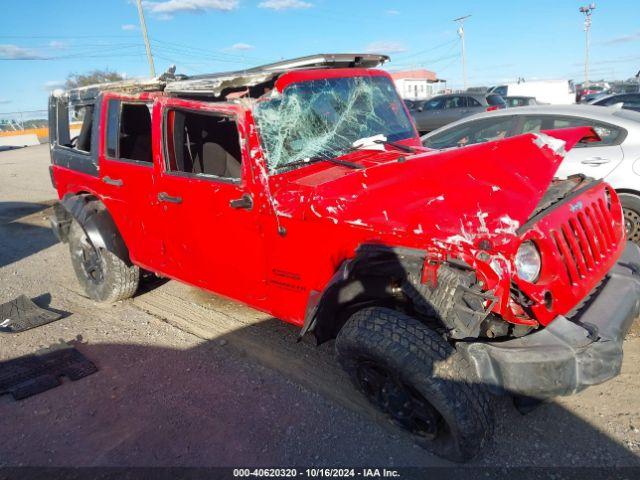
(452, 196)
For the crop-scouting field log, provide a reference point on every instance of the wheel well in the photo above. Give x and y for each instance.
(628, 191)
(374, 277)
(89, 211)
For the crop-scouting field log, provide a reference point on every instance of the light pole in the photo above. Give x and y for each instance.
(587, 11)
(143, 26)
(460, 22)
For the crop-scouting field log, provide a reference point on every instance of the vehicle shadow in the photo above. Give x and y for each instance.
(213, 405)
(19, 219)
(254, 396)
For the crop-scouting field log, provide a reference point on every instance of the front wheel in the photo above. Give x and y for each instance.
(102, 275)
(418, 380)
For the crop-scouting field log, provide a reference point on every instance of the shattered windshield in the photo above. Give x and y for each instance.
(322, 118)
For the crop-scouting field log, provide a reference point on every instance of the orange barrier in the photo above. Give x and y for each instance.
(42, 132)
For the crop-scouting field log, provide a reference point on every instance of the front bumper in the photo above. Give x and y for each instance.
(568, 355)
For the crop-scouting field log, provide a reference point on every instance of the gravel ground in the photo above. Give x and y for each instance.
(169, 396)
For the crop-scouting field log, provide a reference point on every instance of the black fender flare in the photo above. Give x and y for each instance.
(366, 275)
(96, 221)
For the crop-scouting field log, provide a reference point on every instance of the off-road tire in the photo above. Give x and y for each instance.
(428, 365)
(631, 209)
(117, 281)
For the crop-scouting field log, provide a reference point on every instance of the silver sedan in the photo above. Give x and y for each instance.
(616, 158)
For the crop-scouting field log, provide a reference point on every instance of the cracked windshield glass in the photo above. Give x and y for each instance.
(320, 119)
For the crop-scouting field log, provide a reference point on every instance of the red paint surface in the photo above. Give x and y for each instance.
(446, 203)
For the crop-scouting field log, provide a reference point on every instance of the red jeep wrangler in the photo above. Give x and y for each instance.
(300, 188)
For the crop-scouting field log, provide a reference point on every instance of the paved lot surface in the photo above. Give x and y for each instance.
(189, 379)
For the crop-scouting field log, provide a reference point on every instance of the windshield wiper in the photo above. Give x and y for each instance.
(336, 161)
(368, 143)
(399, 146)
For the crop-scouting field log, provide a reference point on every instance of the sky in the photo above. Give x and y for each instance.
(43, 41)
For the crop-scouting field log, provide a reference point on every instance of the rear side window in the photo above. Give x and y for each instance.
(501, 90)
(434, 104)
(455, 102)
(496, 101)
(472, 102)
(129, 131)
(113, 122)
(610, 134)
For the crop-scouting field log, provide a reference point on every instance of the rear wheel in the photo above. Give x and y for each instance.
(418, 380)
(631, 210)
(103, 276)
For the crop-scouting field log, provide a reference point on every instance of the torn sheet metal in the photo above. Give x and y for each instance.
(452, 196)
(216, 84)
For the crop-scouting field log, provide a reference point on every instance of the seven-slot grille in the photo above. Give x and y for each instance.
(586, 238)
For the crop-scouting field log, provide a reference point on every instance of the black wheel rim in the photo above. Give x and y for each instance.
(632, 224)
(402, 403)
(91, 261)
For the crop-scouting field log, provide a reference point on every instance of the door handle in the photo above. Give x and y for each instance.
(116, 182)
(165, 197)
(594, 161)
(244, 202)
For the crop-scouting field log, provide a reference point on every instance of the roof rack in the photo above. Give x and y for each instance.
(213, 84)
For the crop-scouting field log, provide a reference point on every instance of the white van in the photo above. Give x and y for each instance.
(555, 92)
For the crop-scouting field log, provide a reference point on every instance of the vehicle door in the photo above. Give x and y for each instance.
(474, 106)
(127, 175)
(596, 159)
(212, 233)
(455, 108)
(427, 116)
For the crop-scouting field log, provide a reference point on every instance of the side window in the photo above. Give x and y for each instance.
(113, 126)
(434, 104)
(472, 102)
(134, 141)
(500, 90)
(454, 102)
(569, 122)
(485, 130)
(128, 133)
(80, 126)
(537, 123)
(610, 134)
(202, 144)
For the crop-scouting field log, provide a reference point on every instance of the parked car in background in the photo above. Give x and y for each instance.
(521, 101)
(556, 92)
(410, 103)
(630, 101)
(616, 158)
(592, 97)
(593, 89)
(443, 109)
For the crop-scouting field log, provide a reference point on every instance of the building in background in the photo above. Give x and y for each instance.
(418, 84)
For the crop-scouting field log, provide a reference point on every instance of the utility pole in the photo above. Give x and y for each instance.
(460, 22)
(143, 26)
(587, 11)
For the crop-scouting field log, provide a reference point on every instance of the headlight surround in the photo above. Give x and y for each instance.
(528, 262)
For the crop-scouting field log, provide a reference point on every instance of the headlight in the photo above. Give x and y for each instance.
(528, 262)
